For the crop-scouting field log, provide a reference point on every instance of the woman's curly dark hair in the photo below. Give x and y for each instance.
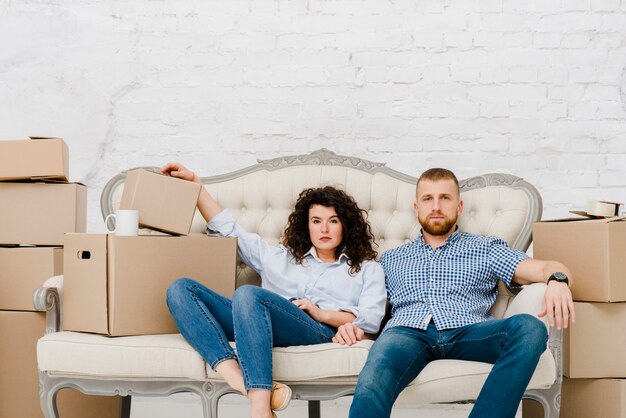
(357, 238)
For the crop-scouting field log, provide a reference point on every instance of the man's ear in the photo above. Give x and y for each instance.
(415, 208)
(459, 209)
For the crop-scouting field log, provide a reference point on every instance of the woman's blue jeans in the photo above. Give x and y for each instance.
(256, 319)
(512, 345)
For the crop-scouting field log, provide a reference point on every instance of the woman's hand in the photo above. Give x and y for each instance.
(310, 308)
(207, 206)
(178, 170)
(348, 334)
(332, 318)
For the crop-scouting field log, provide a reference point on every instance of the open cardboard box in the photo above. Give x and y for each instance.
(594, 251)
(164, 203)
(41, 213)
(24, 269)
(37, 158)
(117, 285)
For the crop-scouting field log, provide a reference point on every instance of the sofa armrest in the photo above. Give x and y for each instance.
(529, 301)
(47, 299)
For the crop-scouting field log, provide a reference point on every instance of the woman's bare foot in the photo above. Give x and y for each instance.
(231, 372)
(260, 403)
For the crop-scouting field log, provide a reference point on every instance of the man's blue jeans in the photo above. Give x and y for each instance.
(256, 319)
(512, 345)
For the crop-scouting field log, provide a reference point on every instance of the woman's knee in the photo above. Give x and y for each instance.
(178, 290)
(247, 294)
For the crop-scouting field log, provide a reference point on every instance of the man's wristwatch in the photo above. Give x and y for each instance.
(559, 277)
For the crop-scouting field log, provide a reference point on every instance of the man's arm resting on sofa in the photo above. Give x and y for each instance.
(558, 304)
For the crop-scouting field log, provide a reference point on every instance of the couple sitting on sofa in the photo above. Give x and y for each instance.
(323, 284)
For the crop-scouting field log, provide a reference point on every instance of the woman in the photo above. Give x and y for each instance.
(322, 276)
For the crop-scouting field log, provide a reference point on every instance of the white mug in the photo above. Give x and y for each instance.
(126, 222)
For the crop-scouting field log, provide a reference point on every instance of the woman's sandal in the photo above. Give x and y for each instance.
(281, 395)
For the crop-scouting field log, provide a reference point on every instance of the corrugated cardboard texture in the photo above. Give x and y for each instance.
(586, 398)
(164, 203)
(594, 252)
(23, 270)
(121, 288)
(19, 381)
(34, 159)
(40, 214)
(593, 346)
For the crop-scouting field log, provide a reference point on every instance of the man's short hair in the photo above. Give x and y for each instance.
(436, 174)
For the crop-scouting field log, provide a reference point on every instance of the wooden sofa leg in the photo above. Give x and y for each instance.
(125, 407)
(314, 409)
(48, 396)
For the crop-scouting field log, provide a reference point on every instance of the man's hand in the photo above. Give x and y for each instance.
(348, 334)
(179, 171)
(558, 305)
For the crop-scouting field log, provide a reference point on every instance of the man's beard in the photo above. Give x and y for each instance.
(440, 228)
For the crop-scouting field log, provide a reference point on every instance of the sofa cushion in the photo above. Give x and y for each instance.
(169, 356)
(330, 362)
(166, 356)
(453, 380)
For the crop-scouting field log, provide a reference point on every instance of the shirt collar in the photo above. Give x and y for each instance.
(451, 239)
(313, 253)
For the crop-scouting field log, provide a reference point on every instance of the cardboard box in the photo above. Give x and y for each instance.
(41, 213)
(593, 346)
(586, 398)
(24, 269)
(117, 285)
(34, 159)
(19, 378)
(594, 252)
(164, 203)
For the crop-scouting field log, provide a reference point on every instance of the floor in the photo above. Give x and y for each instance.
(233, 406)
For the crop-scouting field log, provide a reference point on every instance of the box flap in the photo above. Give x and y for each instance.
(584, 219)
(85, 283)
(35, 137)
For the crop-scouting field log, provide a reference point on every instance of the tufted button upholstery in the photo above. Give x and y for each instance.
(262, 200)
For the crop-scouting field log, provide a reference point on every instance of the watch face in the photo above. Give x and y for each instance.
(559, 276)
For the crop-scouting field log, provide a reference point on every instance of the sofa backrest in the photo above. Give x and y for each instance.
(262, 196)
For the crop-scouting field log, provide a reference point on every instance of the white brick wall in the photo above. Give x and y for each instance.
(534, 88)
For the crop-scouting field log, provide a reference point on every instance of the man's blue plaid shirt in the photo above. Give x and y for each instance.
(454, 285)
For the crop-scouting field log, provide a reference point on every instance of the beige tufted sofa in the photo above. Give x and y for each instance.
(261, 197)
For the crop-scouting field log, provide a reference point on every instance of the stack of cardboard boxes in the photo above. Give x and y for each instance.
(116, 285)
(593, 362)
(37, 207)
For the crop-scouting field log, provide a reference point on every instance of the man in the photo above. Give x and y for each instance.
(441, 287)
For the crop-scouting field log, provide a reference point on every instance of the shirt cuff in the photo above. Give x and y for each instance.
(360, 321)
(221, 224)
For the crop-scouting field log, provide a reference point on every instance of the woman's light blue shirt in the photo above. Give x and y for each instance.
(328, 285)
